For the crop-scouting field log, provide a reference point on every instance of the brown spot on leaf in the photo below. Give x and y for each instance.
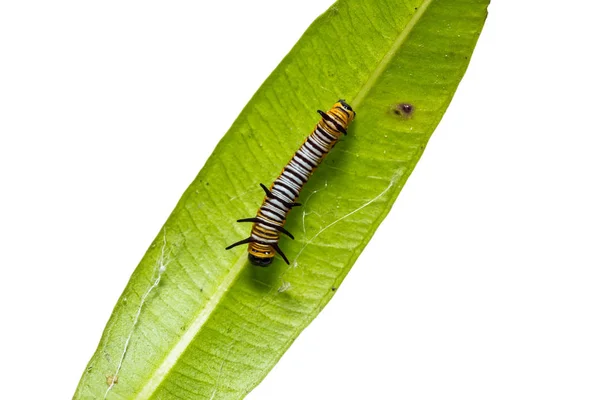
(405, 110)
(112, 380)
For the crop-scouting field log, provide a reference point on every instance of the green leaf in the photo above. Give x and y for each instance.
(199, 322)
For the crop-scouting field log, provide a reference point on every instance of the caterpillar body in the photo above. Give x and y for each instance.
(281, 197)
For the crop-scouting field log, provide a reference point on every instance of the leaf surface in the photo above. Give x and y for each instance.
(199, 322)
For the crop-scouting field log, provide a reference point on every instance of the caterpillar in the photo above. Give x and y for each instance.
(281, 197)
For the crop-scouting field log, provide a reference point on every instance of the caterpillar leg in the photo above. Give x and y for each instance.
(247, 240)
(277, 227)
(278, 250)
(271, 196)
(267, 191)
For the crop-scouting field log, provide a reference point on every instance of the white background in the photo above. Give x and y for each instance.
(482, 283)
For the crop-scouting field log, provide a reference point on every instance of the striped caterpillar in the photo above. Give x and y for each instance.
(281, 196)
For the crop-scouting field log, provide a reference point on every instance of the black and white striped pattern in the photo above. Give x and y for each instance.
(281, 197)
(287, 186)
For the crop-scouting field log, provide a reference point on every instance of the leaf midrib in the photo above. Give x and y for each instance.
(387, 58)
(190, 333)
(193, 329)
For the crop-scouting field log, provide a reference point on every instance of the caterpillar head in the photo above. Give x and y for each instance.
(259, 261)
(260, 254)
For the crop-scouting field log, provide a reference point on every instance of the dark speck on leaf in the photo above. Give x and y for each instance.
(404, 109)
(333, 289)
